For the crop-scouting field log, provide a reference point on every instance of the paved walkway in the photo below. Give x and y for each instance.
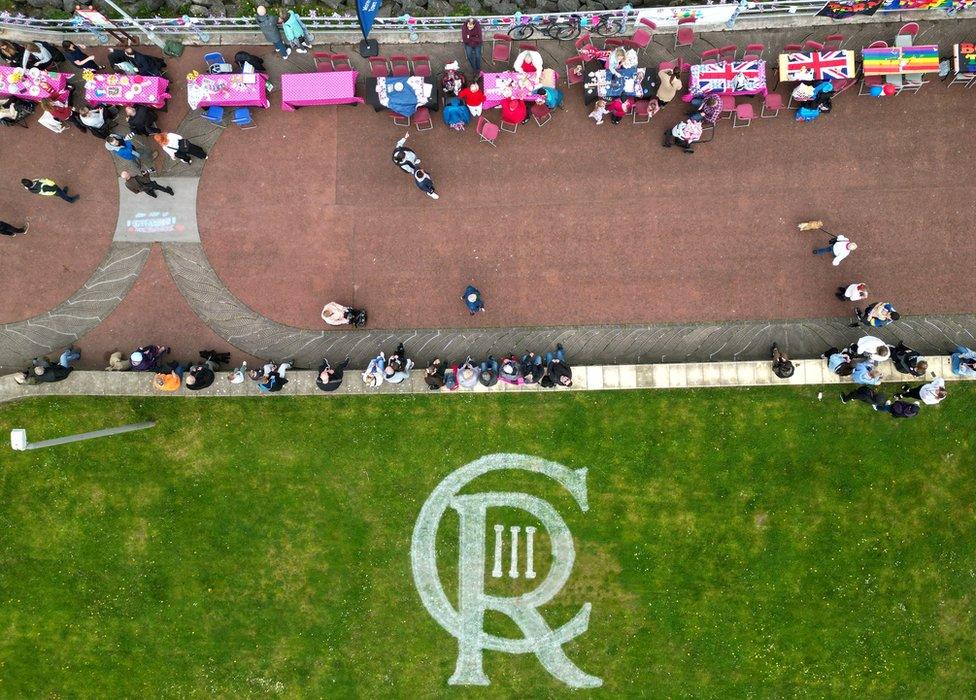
(570, 224)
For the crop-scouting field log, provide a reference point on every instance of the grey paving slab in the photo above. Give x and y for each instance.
(143, 219)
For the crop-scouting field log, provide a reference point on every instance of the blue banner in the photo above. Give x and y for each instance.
(366, 11)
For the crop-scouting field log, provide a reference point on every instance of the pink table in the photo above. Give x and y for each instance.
(227, 90)
(311, 89)
(495, 83)
(27, 88)
(122, 89)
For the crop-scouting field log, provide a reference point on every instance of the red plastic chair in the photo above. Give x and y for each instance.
(421, 66)
(399, 119)
(685, 35)
(571, 77)
(792, 48)
(501, 48)
(528, 46)
(665, 65)
(728, 104)
(399, 65)
(643, 111)
(756, 50)
(583, 40)
(541, 114)
(711, 56)
(744, 112)
(487, 131)
(378, 67)
(422, 120)
(614, 43)
(728, 52)
(809, 45)
(644, 33)
(911, 29)
(323, 61)
(772, 101)
(878, 45)
(340, 61)
(833, 42)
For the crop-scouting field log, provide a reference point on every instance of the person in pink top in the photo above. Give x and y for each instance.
(473, 97)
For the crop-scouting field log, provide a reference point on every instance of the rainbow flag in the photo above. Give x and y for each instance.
(907, 59)
(920, 59)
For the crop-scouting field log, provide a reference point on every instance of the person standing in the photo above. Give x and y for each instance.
(472, 299)
(840, 246)
(142, 120)
(294, 30)
(782, 365)
(853, 292)
(877, 315)
(474, 98)
(143, 183)
(426, 184)
(48, 188)
(11, 230)
(179, 148)
(908, 361)
(405, 158)
(269, 27)
(126, 150)
(472, 39)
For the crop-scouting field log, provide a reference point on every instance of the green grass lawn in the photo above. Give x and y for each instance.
(738, 542)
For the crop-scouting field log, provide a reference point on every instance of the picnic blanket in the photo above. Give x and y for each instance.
(403, 94)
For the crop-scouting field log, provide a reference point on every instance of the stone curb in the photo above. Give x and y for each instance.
(691, 375)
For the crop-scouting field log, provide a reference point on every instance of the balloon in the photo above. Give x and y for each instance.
(889, 89)
(876, 91)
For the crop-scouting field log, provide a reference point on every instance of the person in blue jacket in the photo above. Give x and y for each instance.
(553, 97)
(456, 114)
(295, 32)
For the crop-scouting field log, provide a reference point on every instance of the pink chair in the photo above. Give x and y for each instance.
(911, 29)
(842, 84)
(812, 46)
(744, 112)
(378, 67)
(711, 56)
(501, 48)
(399, 65)
(772, 101)
(685, 35)
(644, 110)
(399, 119)
(571, 77)
(541, 114)
(753, 52)
(878, 45)
(728, 104)
(728, 52)
(487, 131)
(665, 65)
(340, 61)
(833, 42)
(528, 46)
(583, 40)
(792, 48)
(422, 120)
(614, 43)
(644, 33)
(323, 61)
(421, 66)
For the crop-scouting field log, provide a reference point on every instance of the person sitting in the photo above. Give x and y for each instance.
(489, 372)
(549, 96)
(57, 114)
(557, 370)
(144, 63)
(900, 408)
(238, 374)
(15, 111)
(877, 315)
(39, 55)
(511, 370)
(93, 119)
(171, 380)
(472, 299)
(670, 85)
(684, 134)
(870, 347)
(838, 362)
(275, 379)
(330, 378)
(117, 362)
(142, 120)
(120, 62)
(335, 314)
(932, 393)
(455, 114)
(531, 368)
(866, 372)
(451, 379)
(73, 52)
(710, 109)
(398, 366)
(782, 365)
(963, 362)
(375, 370)
(43, 374)
(514, 111)
(201, 375)
(473, 97)
(434, 374)
(147, 357)
(529, 62)
(452, 79)
(615, 61)
(468, 374)
(908, 361)
(11, 53)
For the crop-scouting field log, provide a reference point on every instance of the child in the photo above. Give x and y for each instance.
(618, 110)
(599, 111)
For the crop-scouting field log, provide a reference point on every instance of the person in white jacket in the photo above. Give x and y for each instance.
(177, 147)
(840, 246)
(530, 63)
(930, 394)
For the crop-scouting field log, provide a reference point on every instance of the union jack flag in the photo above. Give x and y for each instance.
(818, 66)
(729, 77)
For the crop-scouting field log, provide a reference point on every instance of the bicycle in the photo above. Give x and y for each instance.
(569, 28)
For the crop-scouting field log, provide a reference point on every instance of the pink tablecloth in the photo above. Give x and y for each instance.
(495, 83)
(227, 90)
(738, 78)
(27, 88)
(310, 89)
(122, 89)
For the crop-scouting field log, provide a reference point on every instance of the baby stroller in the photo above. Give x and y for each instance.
(356, 317)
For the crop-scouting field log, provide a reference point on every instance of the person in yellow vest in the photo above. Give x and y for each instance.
(48, 188)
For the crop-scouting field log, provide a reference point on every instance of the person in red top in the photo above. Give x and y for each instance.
(474, 97)
(472, 40)
(514, 111)
(619, 109)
